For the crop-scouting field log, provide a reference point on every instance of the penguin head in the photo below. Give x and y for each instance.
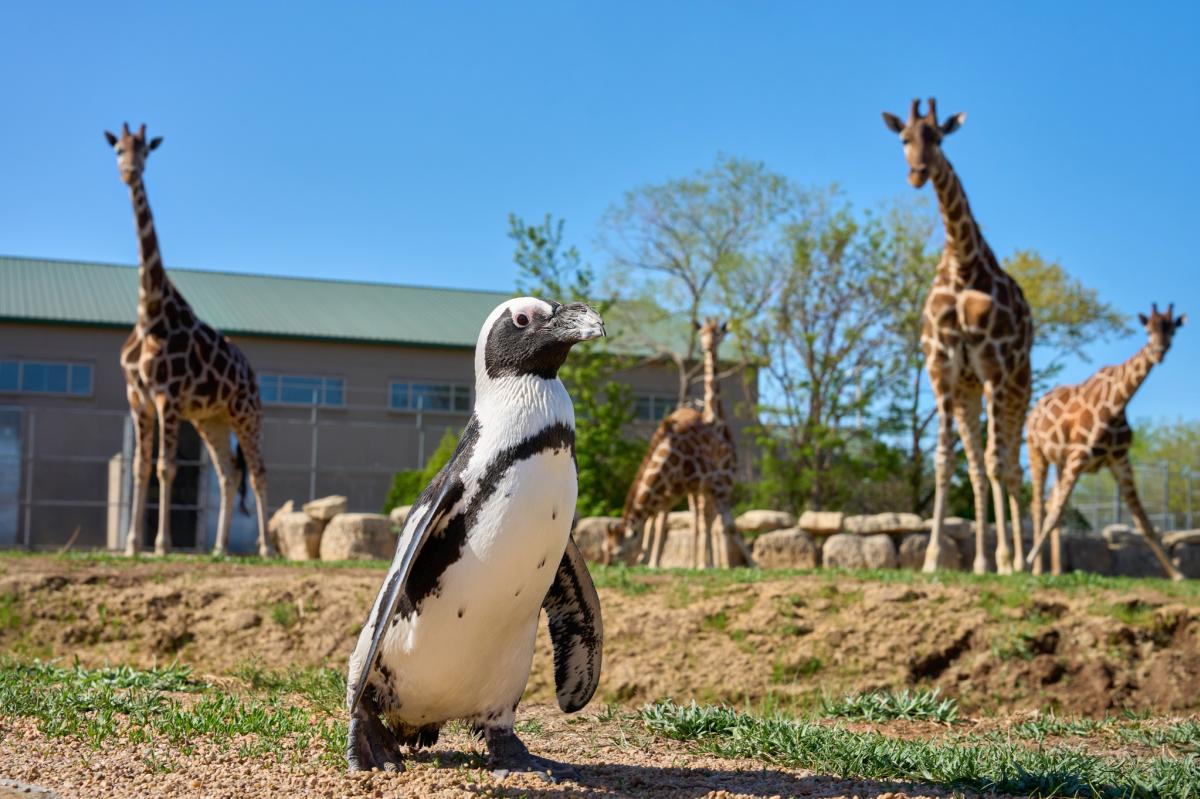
(528, 336)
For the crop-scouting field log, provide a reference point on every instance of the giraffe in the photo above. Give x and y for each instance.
(691, 453)
(1082, 428)
(977, 332)
(178, 368)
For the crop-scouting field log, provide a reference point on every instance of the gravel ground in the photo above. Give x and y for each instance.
(615, 759)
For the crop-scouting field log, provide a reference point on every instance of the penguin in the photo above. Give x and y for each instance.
(486, 547)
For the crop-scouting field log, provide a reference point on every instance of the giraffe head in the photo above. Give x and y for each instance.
(711, 333)
(132, 149)
(1161, 328)
(922, 138)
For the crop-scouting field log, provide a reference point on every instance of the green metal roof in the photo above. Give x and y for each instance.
(78, 293)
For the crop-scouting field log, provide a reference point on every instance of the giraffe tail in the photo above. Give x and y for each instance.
(241, 466)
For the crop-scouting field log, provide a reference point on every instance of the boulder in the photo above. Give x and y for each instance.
(273, 523)
(890, 523)
(1186, 557)
(326, 508)
(791, 548)
(1119, 534)
(851, 551)
(298, 536)
(1180, 537)
(595, 535)
(912, 553)
(822, 522)
(1084, 553)
(398, 515)
(358, 536)
(764, 521)
(879, 551)
(954, 527)
(679, 520)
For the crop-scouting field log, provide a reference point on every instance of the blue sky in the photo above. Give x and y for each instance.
(382, 141)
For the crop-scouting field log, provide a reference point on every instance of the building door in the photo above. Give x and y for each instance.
(10, 476)
(185, 492)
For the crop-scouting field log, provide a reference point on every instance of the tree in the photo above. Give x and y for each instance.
(1067, 315)
(606, 458)
(817, 342)
(408, 484)
(902, 235)
(680, 239)
(1176, 444)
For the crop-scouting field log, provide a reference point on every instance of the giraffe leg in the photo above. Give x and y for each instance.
(966, 411)
(215, 433)
(168, 443)
(1123, 472)
(1067, 477)
(696, 506)
(944, 467)
(1037, 477)
(1013, 479)
(645, 534)
(660, 537)
(143, 453)
(249, 436)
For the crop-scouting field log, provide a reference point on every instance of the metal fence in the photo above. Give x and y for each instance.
(65, 472)
(1170, 494)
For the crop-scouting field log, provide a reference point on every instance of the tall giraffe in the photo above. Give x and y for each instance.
(976, 334)
(178, 368)
(1081, 428)
(691, 454)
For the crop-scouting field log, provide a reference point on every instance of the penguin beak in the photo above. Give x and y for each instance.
(576, 322)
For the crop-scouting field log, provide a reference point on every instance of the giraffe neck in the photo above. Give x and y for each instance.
(963, 238)
(1130, 376)
(153, 285)
(712, 391)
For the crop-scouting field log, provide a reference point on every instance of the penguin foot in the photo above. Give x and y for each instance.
(371, 744)
(507, 754)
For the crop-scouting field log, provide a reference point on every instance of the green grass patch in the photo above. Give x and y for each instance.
(325, 688)
(285, 614)
(998, 767)
(623, 579)
(141, 706)
(918, 705)
(716, 622)
(784, 673)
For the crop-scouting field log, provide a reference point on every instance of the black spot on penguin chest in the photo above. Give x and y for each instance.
(444, 548)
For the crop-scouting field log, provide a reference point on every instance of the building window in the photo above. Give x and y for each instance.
(429, 397)
(652, 407)
(301, 390)
(41, 377)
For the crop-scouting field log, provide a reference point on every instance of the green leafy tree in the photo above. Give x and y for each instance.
(1177, 444)
(606, 457)
(407, 485)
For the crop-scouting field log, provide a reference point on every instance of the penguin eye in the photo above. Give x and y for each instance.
(521, 320)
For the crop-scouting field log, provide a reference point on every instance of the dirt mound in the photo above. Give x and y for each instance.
(745, 639)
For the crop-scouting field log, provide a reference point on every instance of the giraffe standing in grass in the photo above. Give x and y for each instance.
(178, 368)
(977, 332)
(691, 454)
(1080, 429)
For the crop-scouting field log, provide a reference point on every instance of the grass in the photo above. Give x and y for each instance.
(786, 673)
(918, 705)
(285, 614)
(984, 767)
(142, 706)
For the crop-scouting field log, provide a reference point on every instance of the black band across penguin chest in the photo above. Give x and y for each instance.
(445, 547)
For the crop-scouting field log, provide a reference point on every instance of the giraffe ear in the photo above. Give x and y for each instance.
(724, 327)
(157, 140)
(1179, 322)
(953, 123)
(893, 122)
(112, 140)
(696, 325)
(1145, 320)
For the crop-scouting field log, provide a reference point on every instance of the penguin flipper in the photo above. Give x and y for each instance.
(429, 514)
(576, 630)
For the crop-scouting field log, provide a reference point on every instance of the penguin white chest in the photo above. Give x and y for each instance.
(469, 648)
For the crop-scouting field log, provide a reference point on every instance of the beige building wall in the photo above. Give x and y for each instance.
(67, 443)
